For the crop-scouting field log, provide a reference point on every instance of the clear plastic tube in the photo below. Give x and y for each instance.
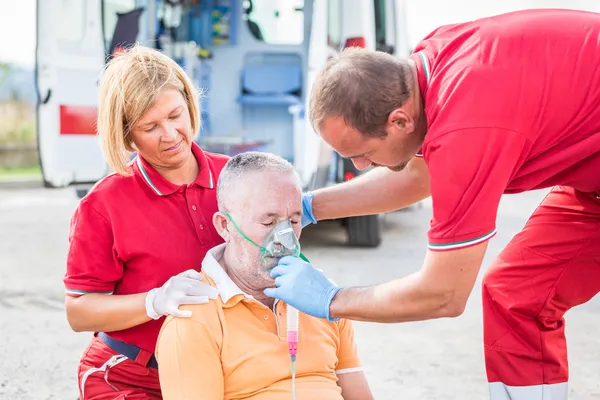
(294, 380)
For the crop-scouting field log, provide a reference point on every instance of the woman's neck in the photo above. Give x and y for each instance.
(183, 174)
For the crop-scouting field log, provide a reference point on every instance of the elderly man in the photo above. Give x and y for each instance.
(504, 104)
(236, 347)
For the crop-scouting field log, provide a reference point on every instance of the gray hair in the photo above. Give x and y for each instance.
(245, 163)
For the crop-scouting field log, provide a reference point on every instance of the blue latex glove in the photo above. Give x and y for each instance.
(302, 286)
(307, 214)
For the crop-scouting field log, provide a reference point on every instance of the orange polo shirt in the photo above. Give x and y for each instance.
(235, 348)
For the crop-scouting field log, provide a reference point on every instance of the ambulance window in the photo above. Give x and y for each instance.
(72, 26)
(275, 21)
(379, 22)
(110, 10)
(384, 25)
(334, 24)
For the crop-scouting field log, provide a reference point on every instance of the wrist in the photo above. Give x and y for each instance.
(307, 204)
(331, 312)
(150, 312)
(314, 207)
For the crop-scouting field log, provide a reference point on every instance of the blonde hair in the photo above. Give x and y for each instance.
(130, 84)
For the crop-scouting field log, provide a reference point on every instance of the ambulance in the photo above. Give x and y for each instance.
(254, 60)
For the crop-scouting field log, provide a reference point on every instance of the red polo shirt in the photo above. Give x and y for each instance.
(131, 234)
(513, 104)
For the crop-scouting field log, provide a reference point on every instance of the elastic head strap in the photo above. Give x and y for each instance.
(302, 256)
(242, 233)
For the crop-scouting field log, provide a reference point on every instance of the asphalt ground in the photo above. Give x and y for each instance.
(440, 359)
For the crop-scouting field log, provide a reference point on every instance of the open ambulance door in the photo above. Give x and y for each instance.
(317, 156)
(70, 55)
(314, 154)
(390, 27)
(399, 20)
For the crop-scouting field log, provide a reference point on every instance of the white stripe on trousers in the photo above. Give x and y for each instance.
(555, 391)
(114, 360)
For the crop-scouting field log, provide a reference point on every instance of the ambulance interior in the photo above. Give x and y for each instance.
(254, 61)
(249, 60)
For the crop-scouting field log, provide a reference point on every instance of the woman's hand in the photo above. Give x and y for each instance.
(95, 312)
(185, 288)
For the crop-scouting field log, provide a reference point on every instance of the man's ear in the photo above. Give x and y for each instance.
(401, 119)
(220, 224)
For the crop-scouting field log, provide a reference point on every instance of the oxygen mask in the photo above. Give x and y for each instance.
(280, 241)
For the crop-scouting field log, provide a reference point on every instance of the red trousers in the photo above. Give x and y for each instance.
(552, 265)
(117, 379)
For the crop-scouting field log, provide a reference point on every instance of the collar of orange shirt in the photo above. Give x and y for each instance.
(213, 270)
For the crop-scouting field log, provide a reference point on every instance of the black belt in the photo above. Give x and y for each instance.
(130, 351)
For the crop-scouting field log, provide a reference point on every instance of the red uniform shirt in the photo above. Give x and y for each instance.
(131, 234)
(513, 104)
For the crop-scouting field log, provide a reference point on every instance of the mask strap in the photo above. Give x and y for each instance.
(240, 231)
(302, 256)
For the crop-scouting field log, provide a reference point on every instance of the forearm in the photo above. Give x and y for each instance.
(378, 191)
(400, 300)
(354, 386)
(439, 289)
(106, 313)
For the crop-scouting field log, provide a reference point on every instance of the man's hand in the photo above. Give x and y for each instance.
(307, 213)
(302, 286)
(185, 288)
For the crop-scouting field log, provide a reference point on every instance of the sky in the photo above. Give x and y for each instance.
(17, 31)
(18, 27)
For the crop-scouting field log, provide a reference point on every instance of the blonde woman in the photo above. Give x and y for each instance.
(138, 238)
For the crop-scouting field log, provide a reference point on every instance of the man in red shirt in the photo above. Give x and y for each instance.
(498, 105)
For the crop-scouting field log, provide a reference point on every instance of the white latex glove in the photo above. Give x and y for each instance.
(184, 288)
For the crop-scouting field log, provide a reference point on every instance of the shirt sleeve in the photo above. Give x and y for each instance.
(189, 361)
(469, 170)
(348, 360)
(92, 263)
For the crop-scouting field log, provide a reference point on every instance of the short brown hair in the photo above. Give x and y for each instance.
(129, 86)
(363, 87)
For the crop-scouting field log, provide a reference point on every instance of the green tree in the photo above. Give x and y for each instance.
(4, 72)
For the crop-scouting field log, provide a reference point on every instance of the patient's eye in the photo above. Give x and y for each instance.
(268, 223)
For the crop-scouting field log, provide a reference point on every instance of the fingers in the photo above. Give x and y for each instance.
(305, 220)
(271, 292)
(195, 300)
(287, 260)
(181, 313)
(278, 271)
(202, 289)
(188, 300)
(192, 274)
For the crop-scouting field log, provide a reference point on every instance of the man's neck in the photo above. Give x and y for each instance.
(257, 294)
(417, 99)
